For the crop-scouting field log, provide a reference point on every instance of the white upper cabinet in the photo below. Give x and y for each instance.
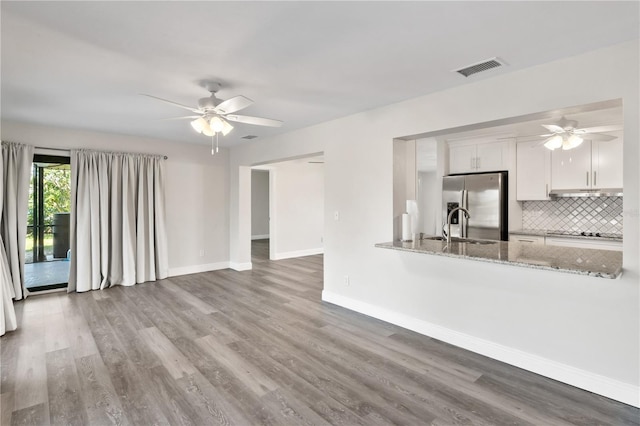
(473, 157)
(571, 169)
(533, 171)
(461, 158)
(607, 164)
(592, 165)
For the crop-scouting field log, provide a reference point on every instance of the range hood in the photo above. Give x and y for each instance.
(570, 193)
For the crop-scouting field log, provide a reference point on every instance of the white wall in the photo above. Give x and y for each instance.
(197, 189)
(259, 204)
(297, 209)
(582, 330)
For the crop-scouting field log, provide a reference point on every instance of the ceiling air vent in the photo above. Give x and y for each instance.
(480, 66)
(249, 137)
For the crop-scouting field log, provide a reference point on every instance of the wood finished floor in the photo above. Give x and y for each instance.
(258, 347)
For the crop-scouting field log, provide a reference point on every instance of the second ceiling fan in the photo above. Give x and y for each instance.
(565, 134)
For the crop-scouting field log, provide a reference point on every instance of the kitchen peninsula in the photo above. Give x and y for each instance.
(591, 262)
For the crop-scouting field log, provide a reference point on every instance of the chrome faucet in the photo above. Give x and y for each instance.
(466, 213)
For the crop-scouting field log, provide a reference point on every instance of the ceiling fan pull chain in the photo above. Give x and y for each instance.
(216, 143)
(212, 151)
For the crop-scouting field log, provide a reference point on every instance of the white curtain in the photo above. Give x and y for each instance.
(118, 231)
(16, 162)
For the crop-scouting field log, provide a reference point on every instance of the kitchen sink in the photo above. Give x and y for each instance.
(461, 240)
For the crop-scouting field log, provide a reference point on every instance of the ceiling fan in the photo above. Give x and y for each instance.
(565, 134)
(213, 114)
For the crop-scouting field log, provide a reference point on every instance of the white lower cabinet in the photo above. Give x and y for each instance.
(566, 242)
(584, 243)
(523, 238)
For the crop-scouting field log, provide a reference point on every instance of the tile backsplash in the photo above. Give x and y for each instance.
(596, 214)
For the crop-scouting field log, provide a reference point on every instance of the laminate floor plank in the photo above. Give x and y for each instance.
(130, 312)
(212, 400)
(165, 320)
(79, 337)
(55, 334)
(253, 378)
(36, 415)
(231, 387)
(449, 385)
(259, 347)
(6, 408)
(180, 293)
(100, 399)
(285, 370)
(9, 347)
(31, 376)
(352, 365)
(176, 407)
(170, 357)
(63, 386)
(315, 372)
(375, 340)
(125, 329)
(522, 381)
(186, 313)
(291, 411)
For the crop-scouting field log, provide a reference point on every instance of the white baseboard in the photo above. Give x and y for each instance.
(260, 237)
(236, 266)
(194, 269)
(297, 253)
(583, 379)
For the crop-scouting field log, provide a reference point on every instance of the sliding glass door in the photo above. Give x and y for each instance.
(47, 245)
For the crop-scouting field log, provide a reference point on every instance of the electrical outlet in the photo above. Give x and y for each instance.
(346, 280)
(201, 253)
(336, 215)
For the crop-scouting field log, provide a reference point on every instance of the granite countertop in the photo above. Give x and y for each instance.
(592, 262)
(550, 233)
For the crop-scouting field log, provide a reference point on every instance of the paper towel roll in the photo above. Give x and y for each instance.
(406, 227)
(412, 209)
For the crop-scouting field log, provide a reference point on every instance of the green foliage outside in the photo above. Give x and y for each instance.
(56, 180)
(57, 191)
(48, 243)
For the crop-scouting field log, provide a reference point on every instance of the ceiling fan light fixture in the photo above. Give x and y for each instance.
(571, 142)
(216, 124)
(554, 142)
(226, 127)
(199, 124)
(207, 130)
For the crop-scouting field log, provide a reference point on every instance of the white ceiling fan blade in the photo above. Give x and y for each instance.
(598, 137)
(232, 105)
(258, 121)
(553, 128)
(172, 103)
(182, 118)
(599, 129)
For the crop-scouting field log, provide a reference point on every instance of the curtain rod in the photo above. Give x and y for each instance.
(59, 149)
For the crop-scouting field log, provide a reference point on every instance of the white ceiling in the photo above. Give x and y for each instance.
(84, 64)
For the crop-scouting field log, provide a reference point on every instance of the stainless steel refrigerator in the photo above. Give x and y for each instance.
(485, 196)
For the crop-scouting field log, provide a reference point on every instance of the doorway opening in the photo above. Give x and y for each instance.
(260, 210)
(289, 195)
(47, 252)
